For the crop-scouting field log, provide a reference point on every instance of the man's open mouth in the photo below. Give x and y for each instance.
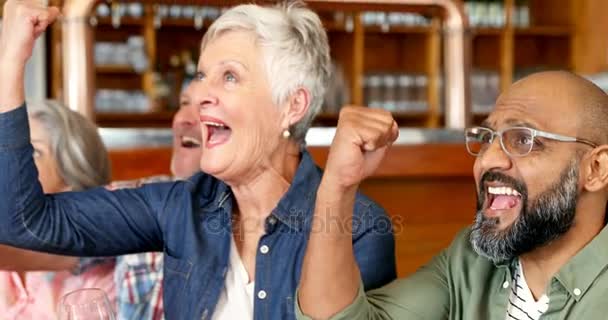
(500, 199)
(190, 142)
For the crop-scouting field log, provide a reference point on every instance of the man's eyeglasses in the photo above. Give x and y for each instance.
(515, 141)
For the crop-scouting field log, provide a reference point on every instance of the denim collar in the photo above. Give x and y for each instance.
(213, 196)
(295, 209)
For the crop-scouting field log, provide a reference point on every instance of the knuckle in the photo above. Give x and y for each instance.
(346, 110)
(388, 125)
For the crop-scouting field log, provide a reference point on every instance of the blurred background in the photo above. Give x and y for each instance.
(144, 52)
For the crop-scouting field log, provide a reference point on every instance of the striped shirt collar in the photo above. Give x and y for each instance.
(578, 274)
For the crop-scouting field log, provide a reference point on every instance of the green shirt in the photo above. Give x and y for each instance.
(459, 284)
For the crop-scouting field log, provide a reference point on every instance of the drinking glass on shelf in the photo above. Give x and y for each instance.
(86, 304)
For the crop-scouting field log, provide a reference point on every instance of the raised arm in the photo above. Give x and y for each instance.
(330, 276)
(97, 222)
(23, 23)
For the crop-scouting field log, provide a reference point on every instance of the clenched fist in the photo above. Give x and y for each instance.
(23, 22)
(362, 139)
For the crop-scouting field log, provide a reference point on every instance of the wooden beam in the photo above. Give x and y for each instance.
(358, 60)
(433, 67)
(507, 47)
(149, 35)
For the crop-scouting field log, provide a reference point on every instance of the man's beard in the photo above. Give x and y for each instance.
(546, 219)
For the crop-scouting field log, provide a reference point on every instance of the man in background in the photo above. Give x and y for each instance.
(139, 276)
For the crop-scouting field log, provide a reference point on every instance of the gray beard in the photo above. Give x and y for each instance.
(546, 219)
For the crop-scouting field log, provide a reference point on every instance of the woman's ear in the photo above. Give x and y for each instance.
(596, 170)
(296, 107)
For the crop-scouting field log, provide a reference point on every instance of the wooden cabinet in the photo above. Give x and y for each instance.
(558, 34)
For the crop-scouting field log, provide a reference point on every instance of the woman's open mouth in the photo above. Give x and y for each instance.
(218, 132)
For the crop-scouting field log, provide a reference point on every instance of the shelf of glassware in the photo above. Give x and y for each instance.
(341, 23)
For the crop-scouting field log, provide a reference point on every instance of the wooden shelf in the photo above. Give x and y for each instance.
(335, 26)
(409, 117)
(211, 3)
(183, 22)
(547, 31)
(399, 29)
(487, 31)
(124, 21)
(332, 25)
(114, 69)
(163, 119)
(551, 31)
(165, 22)
(410, 114)
(157, 119)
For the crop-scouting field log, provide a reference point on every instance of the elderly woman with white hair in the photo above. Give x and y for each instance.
(70, 156)
(234, 235)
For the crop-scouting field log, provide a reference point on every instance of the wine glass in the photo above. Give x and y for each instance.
(86, 304)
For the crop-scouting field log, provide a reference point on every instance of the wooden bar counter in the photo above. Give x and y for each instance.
(427, 188)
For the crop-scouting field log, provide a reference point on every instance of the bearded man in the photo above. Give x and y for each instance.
(538, 248)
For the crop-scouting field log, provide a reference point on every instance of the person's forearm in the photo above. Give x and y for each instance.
(11, 88)
(330, 275)
(15, 259)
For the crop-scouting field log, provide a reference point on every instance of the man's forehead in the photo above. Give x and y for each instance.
(494, 123)
(511, 113)
(532, 109)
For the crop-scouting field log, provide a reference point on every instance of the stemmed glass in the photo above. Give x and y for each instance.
(86, 304)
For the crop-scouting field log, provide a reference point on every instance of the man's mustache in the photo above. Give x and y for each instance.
(495, 176)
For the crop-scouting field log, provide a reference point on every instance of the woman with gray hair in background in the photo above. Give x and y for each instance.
(234, 235)
(70, 156)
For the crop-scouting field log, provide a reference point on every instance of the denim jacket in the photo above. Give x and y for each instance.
(190, 221)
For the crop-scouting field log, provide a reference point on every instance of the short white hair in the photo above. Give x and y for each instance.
(295, 49)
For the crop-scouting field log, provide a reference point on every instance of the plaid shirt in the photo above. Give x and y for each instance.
(139, 286)
(139, 277)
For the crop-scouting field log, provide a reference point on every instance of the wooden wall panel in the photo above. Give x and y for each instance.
(426, 214)
(395, 52)
(423, 160)
(589, 43)
(138, 163)
(427, 190)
